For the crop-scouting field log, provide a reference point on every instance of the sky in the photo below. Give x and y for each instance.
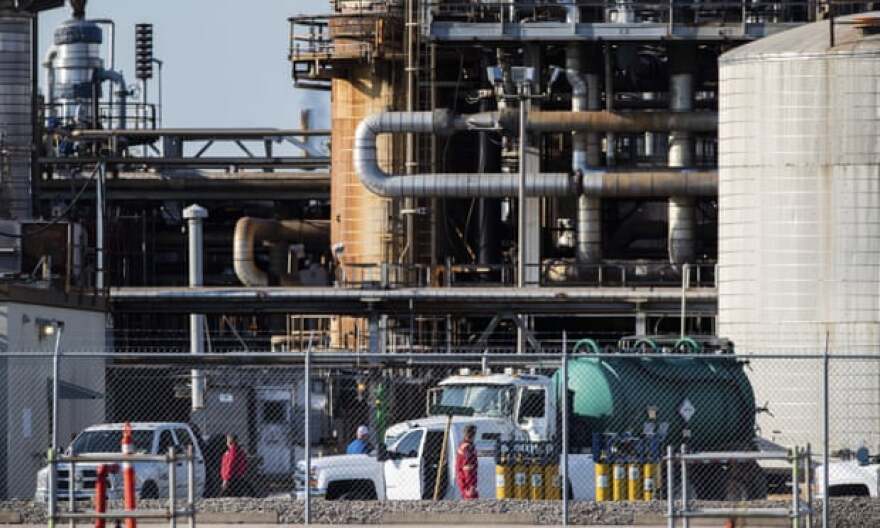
(225, 60)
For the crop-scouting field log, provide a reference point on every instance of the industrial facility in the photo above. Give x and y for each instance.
(496, 175)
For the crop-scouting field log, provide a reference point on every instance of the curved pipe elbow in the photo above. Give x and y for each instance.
(243, 260)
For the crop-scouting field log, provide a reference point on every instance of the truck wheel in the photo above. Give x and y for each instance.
(150, 490)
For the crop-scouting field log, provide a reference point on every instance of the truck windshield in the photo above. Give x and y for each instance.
(488, 400)
(110, 442)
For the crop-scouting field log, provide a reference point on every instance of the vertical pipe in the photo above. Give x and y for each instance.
(685, 279)
(71, 489)
(489, 210)
(172, 488)
(670, 496)
(681, 210)
(826, 453)
(56, 385)
(808, 482)
(589, 218)
(795, 457)
(524, 94)
(191, 486)
(610, 137)
(99, 227)
(684, 497)
(411, 51)
(53, 479)
(307, 444)
(564, 428)
(195, 215)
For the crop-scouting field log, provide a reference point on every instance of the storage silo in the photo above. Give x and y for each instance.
(16, 115)
(799, 223)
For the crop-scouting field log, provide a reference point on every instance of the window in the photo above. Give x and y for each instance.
(183, 438)
(532, 404)
(408, 447)
(166, 441)
(275, 411)
(110, 442)
(488, 400)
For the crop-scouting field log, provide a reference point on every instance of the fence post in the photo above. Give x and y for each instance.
(172, 487)
(564, 429)
(53, 477)
(670, 497)
(191, 486)
(825, 435)
(307, 404)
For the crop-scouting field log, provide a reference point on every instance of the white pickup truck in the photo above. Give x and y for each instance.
(506, 407)
(858, 476)
(151, 478)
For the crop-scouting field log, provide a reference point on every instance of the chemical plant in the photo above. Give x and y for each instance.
(638, 177)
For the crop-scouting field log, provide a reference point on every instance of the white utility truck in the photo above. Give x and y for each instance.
(854, 476)
(151, 479)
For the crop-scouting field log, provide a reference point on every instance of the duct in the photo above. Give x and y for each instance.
(589, 207)
(462, 185)
(682, 209)
(49, 64)
(118, 79)
(621, 122)
(650, 183)
(249, 230)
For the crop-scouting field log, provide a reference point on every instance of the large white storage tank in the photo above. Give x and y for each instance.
(799, 222)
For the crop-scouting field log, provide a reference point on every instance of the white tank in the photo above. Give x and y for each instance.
(16, 126)
(799, 225)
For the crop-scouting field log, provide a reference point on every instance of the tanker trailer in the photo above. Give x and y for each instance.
(705, 402)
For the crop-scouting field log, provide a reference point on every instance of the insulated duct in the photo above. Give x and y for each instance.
(450, 185)
(470, 185)
(248, 231)
(589, 207)
(682, 214)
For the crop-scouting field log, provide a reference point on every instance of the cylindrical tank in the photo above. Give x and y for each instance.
(621, 394)
(799, 224)
(16, 120)
(78, 58)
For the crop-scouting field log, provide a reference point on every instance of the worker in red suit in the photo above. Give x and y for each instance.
(466, 465)
(233, 468)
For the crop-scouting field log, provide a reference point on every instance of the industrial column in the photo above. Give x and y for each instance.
(195, 215)
(682, 210)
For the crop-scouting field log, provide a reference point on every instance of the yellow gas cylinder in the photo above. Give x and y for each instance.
(536, 479)
(520, 479)
(552, 480)
(634, 482)
(650, 483)
(503, 478)
(618, 481)
(603, 481)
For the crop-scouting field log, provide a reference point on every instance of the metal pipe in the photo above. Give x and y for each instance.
(564, 467)
(670, 497)
(439, 185)
(195, 215)
(307, 444)
(524, 95)
(650, 183)
(191, 486)
(684, 495)
(49, 64)
(826, 431)
(609, 121)
(248, 230)
(795, 457)
(682, 211)
(99, 227)
(589, 207)
(197, 133)
(118, 79)
(172, 488)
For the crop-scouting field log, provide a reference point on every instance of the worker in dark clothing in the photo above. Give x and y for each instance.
(466, 465)
(361, 444)
(233, 469)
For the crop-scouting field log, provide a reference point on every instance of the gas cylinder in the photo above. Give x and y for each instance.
(552, 481)
(603, 480)
(634, 482)
(503, 477)
(536, 478)
(618, 481)
(520, 478)
(650, 483)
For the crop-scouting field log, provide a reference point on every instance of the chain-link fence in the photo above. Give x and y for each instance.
(429, 432)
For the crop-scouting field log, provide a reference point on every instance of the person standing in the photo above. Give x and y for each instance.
(233, 468)
(361, 444)
(466, 465)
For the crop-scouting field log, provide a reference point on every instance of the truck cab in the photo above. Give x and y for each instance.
(151, 479)
(519, 406)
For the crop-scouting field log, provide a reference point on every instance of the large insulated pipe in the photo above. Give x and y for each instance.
(461, 185)
(681, 209)
(622, 122)
(589, 207)
(250, 230)
(195, 216)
